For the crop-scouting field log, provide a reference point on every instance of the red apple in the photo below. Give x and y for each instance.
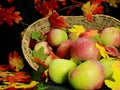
(56, 36)
(89, 75)
(64, 49)
(84, 49)
(110, 36)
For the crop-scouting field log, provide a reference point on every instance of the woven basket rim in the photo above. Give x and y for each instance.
(32, 63)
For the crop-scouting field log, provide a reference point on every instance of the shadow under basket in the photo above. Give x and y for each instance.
(43, 25)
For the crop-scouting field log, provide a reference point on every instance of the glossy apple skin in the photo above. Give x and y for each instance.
(107, 63)
(64, 49)
(89, 75)
(43, 44)
(110, 36)
(59, 69)
(84, 49)
(56, 36)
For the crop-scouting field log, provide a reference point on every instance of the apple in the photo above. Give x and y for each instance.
(84, 49)
(43, 44)
(110, 36)
(106, 63)
(89, 75)
(59, 69)
(56, 36)
(64, 49)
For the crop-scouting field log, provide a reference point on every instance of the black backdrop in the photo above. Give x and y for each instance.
(10, 36)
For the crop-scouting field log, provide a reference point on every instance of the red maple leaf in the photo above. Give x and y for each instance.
(2, 15)
(11, 16)
(57, 21)
(4, 67)
(18, 77)
(46, 6)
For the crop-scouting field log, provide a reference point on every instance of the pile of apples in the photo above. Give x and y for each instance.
(78, 61)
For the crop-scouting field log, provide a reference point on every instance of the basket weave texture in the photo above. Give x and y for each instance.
(43, 26)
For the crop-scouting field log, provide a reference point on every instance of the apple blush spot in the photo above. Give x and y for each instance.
(84, 49)
(56, 36)
(89, 75)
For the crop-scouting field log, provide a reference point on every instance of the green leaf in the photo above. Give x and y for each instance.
(36, 75)
(40, 54)
(35, 35)
(38, 36)
(41, 86)
(97, 38)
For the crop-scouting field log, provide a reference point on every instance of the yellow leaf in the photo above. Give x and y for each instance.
(102, 51)
(114, 3)
(114, 84)
(15, 61)
(86, 8)
(77, 29)
(18, 85)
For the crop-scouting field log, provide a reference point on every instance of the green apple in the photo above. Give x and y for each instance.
(59, 69)
(106, 63)
(89, 75)
(56, 36)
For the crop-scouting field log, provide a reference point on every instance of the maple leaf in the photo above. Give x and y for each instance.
(38, 36)
(25, 86)
(45, 7)
(77, 29)
(2, 15)
(114, 3)
(102, 51)
(5, 74)
(11, 16)
(90, 8)
(18, 77)
(89, 33)
(40, 54)
(57, 21)
(4, 67)
(15, 61)
(41, 86)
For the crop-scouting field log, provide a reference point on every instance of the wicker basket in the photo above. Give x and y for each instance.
(43, 25)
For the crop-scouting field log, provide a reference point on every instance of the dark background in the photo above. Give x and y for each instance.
(10, 36)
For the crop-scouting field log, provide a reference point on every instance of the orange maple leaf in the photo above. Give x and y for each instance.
(18, 77)
(15, 61)
(89, 33)
(93, 7)
(57, 21)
